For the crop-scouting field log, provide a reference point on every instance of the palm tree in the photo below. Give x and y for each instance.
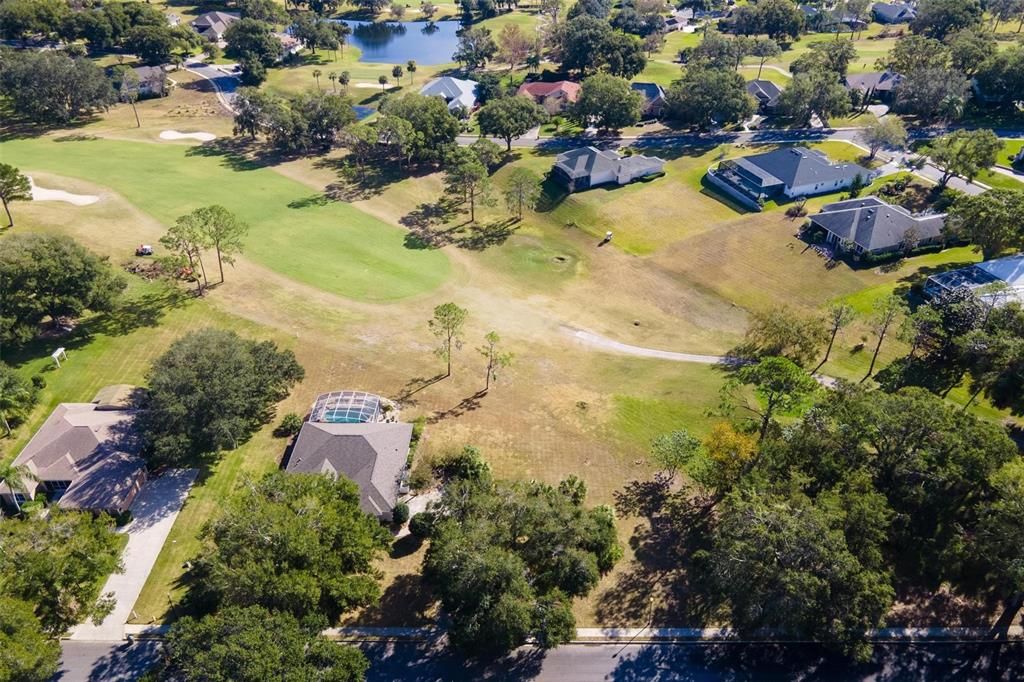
(383, 80)
(316, 75)
(397, 72)
(410, 66)
(15, 477)
(343, 79)
(333, 77)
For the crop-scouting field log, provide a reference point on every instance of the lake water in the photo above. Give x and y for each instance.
(396, 42)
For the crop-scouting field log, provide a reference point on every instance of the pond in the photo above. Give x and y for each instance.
(398, 42)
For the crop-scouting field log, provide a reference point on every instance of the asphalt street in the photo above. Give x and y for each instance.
(692, 662)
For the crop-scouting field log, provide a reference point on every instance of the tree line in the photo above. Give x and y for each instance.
(808, 529)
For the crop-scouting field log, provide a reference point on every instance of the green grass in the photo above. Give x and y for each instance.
(117, 348)
(999, 180)
(1010, 149)
(330, 245)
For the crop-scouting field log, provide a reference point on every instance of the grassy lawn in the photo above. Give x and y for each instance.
(1000, 180)
(332, 246)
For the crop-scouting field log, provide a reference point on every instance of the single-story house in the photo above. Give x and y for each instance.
(679, 20)
(351, 433)
(212, 25)
(1009, 271)
(872, 226)
(788, 172)
(457, 93)
(153, 81)
(84, 456)
(878, 84)
(766, 93)
(654, 99)
(893, 12)
(555, 97)
(289, 44)
(838, 22)
(588, 167)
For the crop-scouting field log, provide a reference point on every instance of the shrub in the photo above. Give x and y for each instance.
(400, 514)
(290, 425)
(464, 464)
(39, 381)
(422, 525)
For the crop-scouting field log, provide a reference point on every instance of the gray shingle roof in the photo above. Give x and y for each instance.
(456, 91)
(650, 91)
(892, 12)
(371, 454)
(798, 166)
(764, 91)
(879, 81)
(583, 162)
(874, 225)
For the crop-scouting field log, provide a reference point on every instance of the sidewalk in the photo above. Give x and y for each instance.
(153, 514)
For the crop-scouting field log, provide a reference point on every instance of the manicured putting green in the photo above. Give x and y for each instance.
(330, 245)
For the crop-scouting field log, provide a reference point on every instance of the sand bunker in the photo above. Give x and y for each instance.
(43, 194)
(175, 135)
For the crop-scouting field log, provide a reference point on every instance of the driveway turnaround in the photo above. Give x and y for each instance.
(153, 514)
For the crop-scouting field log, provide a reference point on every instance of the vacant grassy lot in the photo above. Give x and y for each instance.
(334, 246)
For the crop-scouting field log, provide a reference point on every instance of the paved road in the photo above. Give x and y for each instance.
(153, 514)
(698, 662)
(106, 662)
(426, 662)
(225, 84)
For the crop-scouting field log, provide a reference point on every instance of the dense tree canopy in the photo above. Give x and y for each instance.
(811, 93)
(510, 117)
(710, 96)
(52, 88)
(589, 44)
(252, 644)
(1001, 77)
(865, 490)
(57, 563)
(991, 220)
(27, 654)
(607, 102)
(210, 391)
(296, 543)
(432, 128)
(786, 562)
(249, 39)
(506, 558)
(54, 277)
(940, 18)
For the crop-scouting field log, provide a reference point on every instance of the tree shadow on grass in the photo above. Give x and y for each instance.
(357, 182)
(415, 385)
(465, 405)
(407, 601)
(15, 128)
(238, 153)
(130, 315)
(663, 573)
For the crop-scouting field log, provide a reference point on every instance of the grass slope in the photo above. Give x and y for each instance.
(332, 245)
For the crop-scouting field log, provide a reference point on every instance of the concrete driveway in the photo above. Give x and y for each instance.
(153, 514)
